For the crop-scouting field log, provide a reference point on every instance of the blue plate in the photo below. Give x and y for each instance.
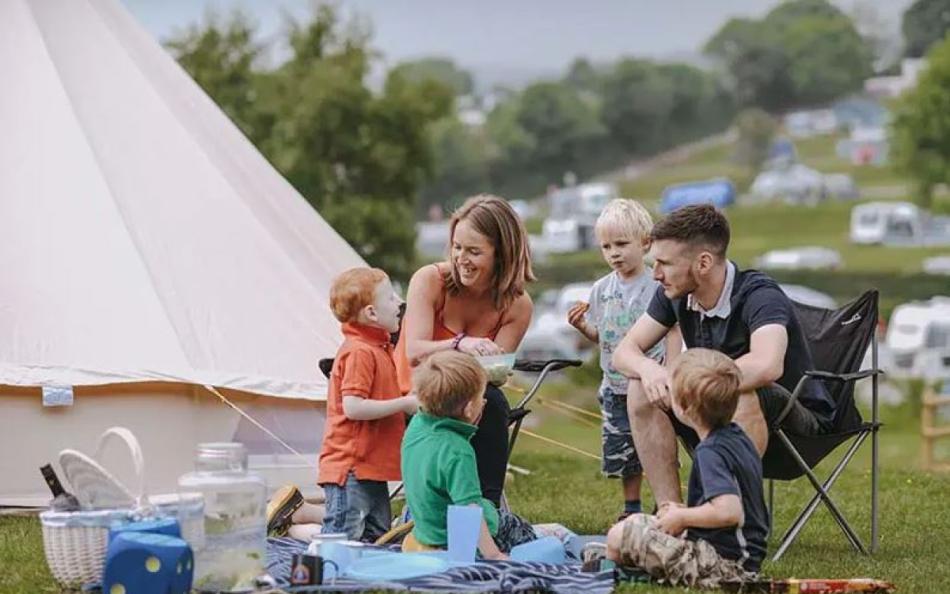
(395, 566)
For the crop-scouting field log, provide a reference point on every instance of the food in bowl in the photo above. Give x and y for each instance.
(498, 367)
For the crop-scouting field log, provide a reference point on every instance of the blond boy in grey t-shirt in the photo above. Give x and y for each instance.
(616, 301)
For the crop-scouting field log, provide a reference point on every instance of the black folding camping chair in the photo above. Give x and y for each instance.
(839, 340)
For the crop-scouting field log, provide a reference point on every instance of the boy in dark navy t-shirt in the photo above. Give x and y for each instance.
(721, 534)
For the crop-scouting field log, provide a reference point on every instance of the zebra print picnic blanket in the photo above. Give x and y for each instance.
(483, 576)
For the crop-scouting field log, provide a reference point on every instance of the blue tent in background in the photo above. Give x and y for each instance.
(782, 149)
(718, 192)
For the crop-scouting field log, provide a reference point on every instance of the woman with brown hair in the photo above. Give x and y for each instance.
(475, 303)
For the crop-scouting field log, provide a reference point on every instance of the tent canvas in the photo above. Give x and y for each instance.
(148, 249)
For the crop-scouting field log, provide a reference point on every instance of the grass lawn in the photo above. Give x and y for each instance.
(567, 488)
(757, 229)
(914, 523)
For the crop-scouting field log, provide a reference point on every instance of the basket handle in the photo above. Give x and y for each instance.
(138, 460)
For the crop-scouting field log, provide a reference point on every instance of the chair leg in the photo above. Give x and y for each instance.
(792, 533)
(874, 446)
(829, 503)
(771, 503)
(514, 435)
(874, 489)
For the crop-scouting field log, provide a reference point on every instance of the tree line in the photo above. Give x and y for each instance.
(371, 160)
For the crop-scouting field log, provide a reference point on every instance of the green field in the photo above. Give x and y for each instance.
(915, 530)
(567, 487)
(759, 228)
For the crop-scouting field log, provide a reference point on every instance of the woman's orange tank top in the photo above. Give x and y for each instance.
(439, 332)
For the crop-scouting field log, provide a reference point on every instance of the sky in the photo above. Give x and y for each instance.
(505, 38)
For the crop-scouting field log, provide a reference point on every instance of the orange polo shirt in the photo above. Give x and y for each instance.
(363, 367)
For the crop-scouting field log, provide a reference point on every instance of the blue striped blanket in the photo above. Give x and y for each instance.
(484, 576)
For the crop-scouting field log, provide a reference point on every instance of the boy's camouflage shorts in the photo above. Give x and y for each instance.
(674, 561)
(619, 458)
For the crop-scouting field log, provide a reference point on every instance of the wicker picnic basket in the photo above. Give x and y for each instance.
(76, 542)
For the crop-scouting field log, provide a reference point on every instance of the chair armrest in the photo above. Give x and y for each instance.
(825, 376)
(531, 366)
(843, 377)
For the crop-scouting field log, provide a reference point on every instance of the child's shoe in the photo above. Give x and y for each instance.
(280, 509)
(593, 556)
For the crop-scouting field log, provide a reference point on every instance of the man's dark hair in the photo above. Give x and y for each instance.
(699, 225)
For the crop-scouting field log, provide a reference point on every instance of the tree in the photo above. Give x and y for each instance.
(441, 70)
(582, 75)
(756, 129)
(510, 150)
(924, 24)
(563, 128)
(921, 129)
(699, 104)
(794, 10)
(637, 102)
(756, 61)
(733, 37)
(827, 58)
(803, 52)
(220, 57)
(460, 164)
(358, 157)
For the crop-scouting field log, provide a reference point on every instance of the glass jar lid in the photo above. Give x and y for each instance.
(223, 455)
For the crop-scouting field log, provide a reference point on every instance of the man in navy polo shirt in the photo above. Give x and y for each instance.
(741, 313)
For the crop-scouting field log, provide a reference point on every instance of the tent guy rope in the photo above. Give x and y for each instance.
(254, 422)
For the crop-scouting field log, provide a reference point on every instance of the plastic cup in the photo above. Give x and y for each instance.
(543, 550)
(339, 557)
(464, 523)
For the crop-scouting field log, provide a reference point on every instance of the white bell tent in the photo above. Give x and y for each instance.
(148, 251)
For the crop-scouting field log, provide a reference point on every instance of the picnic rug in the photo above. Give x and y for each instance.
(483, 576)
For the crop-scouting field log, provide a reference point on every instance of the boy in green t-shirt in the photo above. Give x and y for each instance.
(438, 462)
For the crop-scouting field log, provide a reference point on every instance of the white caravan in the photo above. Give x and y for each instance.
(897, 223)
(918, 339)
(570, 225)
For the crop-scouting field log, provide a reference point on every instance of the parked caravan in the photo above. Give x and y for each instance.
(897, 223)
(574, 210)
(918, 338)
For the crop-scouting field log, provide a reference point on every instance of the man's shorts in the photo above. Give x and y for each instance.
(772, 400)
(674, 560)
(619, 456)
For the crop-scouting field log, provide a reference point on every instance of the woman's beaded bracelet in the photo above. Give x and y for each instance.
(457, 340)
